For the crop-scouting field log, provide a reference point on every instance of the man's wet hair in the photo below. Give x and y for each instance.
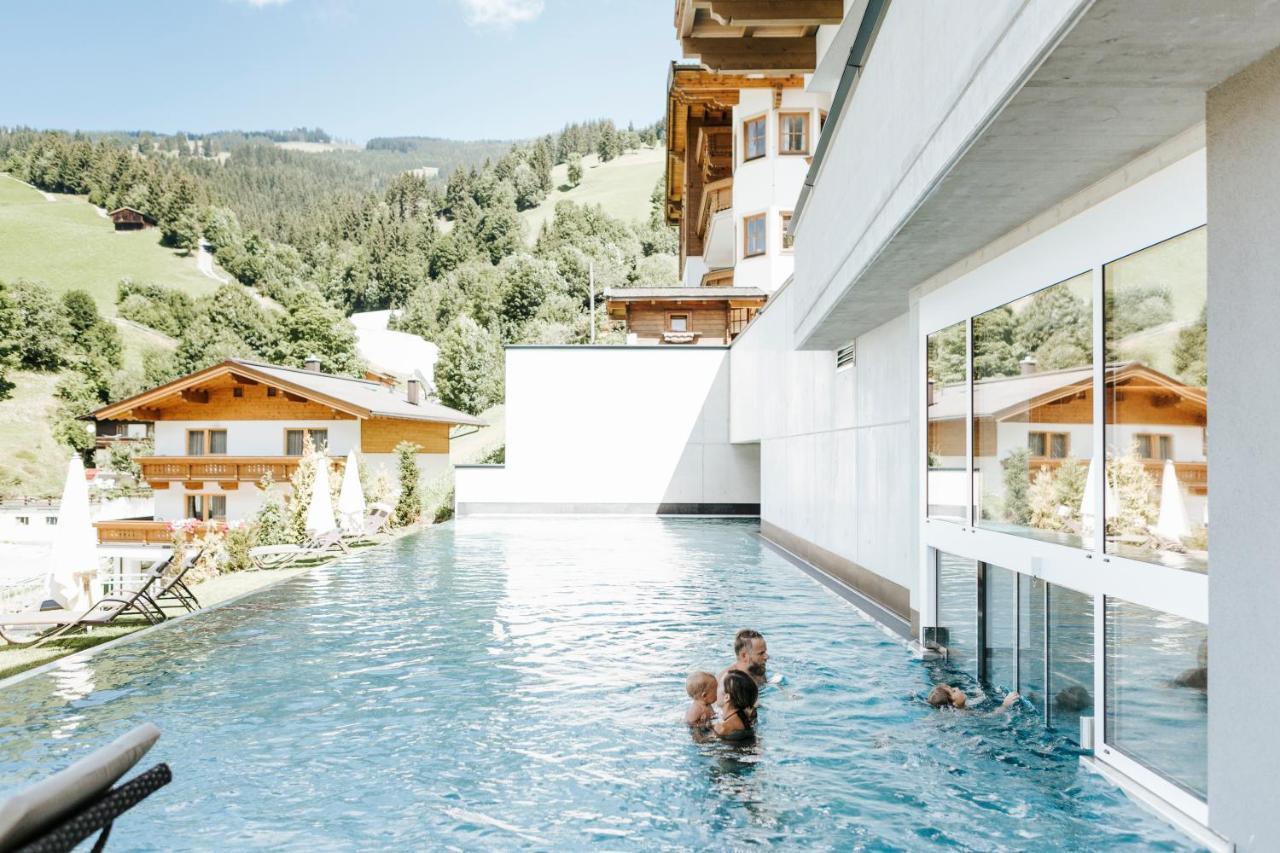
(744, 638)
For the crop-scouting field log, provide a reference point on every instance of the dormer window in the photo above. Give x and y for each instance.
(794, 130)
(753, 139)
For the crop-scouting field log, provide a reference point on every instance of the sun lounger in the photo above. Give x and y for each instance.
(374, 521)
(73, 804)
(102, 613)
(281, 556)
(174, 588)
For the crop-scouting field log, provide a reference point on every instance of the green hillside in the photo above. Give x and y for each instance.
(66, 243)
(622, 187)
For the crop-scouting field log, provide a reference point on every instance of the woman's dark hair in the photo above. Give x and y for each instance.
(742, 692)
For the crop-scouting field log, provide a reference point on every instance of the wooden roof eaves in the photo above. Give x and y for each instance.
(226, 368)
(1124, 374)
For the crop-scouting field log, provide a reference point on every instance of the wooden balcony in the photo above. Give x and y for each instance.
(716, 196)
(134, 532)
(229, 471)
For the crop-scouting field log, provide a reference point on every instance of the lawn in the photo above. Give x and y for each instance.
(28, 453)
(621, 186)
(66, 244)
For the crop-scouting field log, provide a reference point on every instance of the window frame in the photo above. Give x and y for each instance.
(206, 441)
(763, 119)
(747, 222)
(806, 117)
(688, 321)
(305, 431)
(787, 240)
(1156, 439)
(1048, 443)
(206, 508)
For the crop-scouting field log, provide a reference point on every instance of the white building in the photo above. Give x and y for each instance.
(220, 431)
(1112, 166)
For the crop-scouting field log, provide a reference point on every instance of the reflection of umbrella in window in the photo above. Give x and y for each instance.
(1088, 512)
(1172, 523)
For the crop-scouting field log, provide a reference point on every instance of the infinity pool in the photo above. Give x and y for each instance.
(518, 683)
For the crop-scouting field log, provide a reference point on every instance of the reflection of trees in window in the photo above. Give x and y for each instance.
(1189, 356)
(1017, 484)
(1056, 329)
(994, 350)
(947, 355)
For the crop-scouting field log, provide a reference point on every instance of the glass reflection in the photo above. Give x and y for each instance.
(1033, 412)
(947, 384)
(1001, 623)
(958, 610)
(1157, 503)
(1157, 691)
(1031, 626)
(1070, 659)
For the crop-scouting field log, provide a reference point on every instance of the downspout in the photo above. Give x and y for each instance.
(872, 17)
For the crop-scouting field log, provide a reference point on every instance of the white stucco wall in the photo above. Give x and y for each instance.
(615, 429)
(255, 438)
(838, 451)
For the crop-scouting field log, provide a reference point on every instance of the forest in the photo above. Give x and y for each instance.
(316, 237)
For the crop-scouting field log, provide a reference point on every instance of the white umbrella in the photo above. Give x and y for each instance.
(320, 512)
(1173, 523)
(1088, 512)
(351, 498)
(75, 547)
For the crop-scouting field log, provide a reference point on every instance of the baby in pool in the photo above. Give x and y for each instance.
(701, 687)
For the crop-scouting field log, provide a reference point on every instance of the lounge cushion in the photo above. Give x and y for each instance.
(31, 812)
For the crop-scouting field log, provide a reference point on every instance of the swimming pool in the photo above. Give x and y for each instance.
(518, 682)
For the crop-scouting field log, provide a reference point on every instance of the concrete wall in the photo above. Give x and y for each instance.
(838, 454)
(616, 429)
(255, 438)
(1244, 586)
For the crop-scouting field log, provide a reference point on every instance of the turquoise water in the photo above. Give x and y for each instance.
(518, 683)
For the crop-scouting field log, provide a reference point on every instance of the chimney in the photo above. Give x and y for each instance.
(1029, 366)
(312, 363)
(414, 391)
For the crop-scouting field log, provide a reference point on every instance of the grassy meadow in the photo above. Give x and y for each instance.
(622, 187)
(65, 244)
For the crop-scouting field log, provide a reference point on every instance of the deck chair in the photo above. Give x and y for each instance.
(174, 589)
(282, 556)
(78, 801)
(374, 521)
(105, 611)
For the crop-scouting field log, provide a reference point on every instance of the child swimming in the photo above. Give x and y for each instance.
(701, 687)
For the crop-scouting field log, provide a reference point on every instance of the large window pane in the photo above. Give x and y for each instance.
(1031, 640)
(1157, 691)
(958, 610)
(1001, 620)
(1033, 412)
(1157, 489)
(1070, 659)
(947, 383)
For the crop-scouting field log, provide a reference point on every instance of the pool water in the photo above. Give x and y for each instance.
(519, 683)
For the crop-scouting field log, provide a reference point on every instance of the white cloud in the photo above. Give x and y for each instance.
(500, 13)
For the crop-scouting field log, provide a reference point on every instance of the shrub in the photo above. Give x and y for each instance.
(409, 505)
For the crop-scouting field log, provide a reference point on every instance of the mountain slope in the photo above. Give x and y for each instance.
(622, 187)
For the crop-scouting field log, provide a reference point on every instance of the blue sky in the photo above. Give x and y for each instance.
(462, 69)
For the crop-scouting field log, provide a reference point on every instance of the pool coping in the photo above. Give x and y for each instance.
(85, 654)
(892, 624)
(1158, 806)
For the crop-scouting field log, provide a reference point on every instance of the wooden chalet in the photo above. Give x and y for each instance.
(684, 315)
(129, 219)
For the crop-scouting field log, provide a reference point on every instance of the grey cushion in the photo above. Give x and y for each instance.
(30, 812)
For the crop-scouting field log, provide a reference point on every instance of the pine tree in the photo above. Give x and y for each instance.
(301, 484)
(468, 372)
(575, 169)
(409, 504)
(1017, 485)
(271, 527)
(1133, 506)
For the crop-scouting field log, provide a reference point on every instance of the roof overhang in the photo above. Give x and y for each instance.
(754, 35)
(1125, 77)
(139, 406)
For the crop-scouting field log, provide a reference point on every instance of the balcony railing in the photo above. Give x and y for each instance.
(220, 469)
(716, 196)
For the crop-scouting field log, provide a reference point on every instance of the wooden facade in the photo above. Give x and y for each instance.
(382, 435)
(686, 320)
(128, 219)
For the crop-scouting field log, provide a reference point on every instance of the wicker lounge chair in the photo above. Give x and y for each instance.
(73, 804)
(282, 556)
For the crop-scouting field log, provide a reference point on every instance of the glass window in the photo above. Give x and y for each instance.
(293, 441)
(754, 226)
(320, 438)
(1033, 412)
(788, 241)
(1031, 625)
(1157, 691)
(1000, 627)
(947, 408)
(195, 443)
(753, 138)
(218, 441)
(50, 520)
(1070, 659)
(958, 611)
(679, 322)
(24, 520)
(1157, 404)
(218, 507)
(195, 507)
(794, 128)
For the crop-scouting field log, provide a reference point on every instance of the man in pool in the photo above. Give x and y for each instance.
(751, 655)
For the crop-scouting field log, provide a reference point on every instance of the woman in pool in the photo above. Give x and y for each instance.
(739, 708)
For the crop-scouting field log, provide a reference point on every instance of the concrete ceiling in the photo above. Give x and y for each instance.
(1129, 76)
